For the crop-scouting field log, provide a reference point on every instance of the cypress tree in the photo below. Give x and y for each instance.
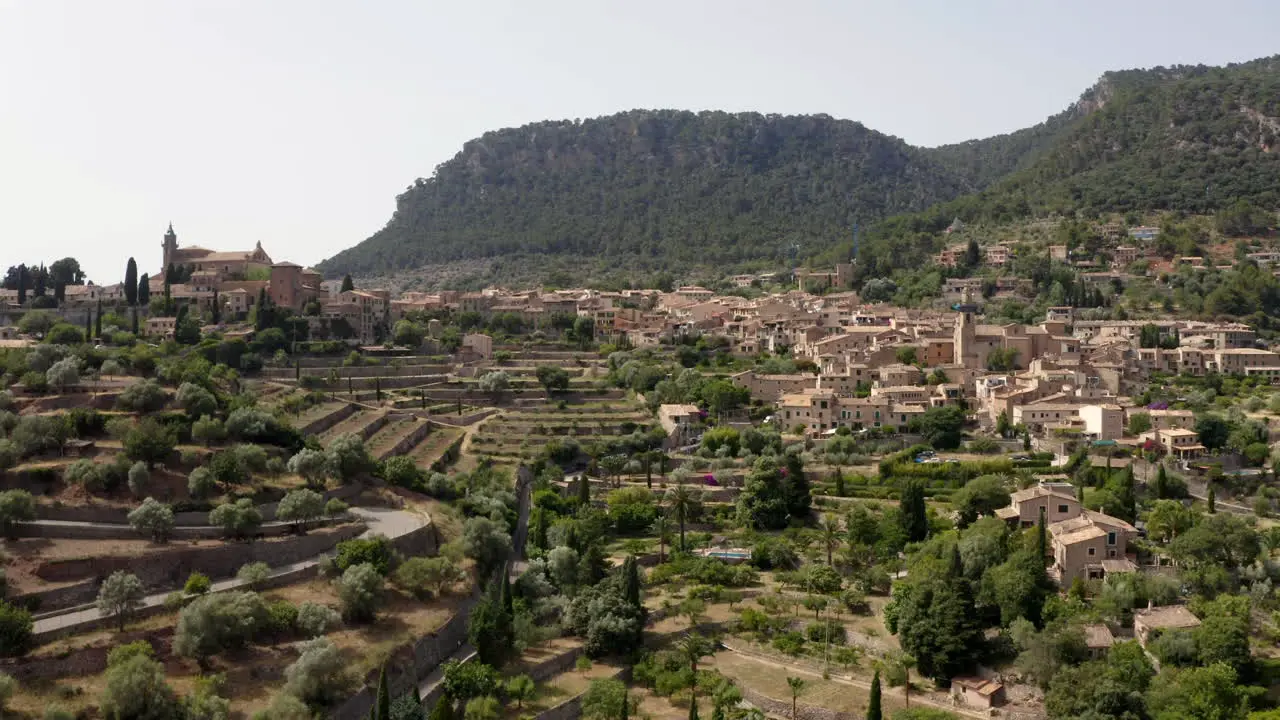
(1042, 537)
(625, 709)
(504, 592)
(631, 581)
(168, 292)
(131, 282)
(382, 709)
(956, 565)
(798, 497)
(839, 483)
(914, 520)
(693, 710)
(873, 700)
(347, 284)
(584, 491)
(97, 321)
(144, 290)
(1161, 487)
(1212, 498)
(443, 709)
(216, 313)
(540, 529)
(134, 320)
(88, 324)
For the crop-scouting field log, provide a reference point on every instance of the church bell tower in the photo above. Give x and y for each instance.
(170, 246)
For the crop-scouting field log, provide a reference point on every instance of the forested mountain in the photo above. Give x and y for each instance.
(679, 186)
(669, 189)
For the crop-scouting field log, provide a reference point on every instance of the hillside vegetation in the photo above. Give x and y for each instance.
(671, 190)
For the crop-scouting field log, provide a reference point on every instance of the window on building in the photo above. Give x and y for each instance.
(1111, 538)
(1093, 551)
(1062, 509)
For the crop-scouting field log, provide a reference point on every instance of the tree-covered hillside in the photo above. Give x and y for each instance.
(708, 187)
(671, 190)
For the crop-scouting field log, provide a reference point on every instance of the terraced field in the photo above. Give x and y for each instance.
(382, 443)
(521, 433)
(363, 423)
(434, 446)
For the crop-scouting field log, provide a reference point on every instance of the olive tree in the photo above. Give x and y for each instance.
(311, 465)
(153, 518)
(300, 507)
(120, 596)
(360, 590)
(319, 675)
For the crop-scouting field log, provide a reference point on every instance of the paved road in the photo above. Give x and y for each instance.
(392, 523)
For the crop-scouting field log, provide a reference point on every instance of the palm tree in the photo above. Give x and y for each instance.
(612, 467)
(684, 502)
(662, 528)
(831, 533)
(692, 648)
(520, 688)
(692, 609)
(797, 686)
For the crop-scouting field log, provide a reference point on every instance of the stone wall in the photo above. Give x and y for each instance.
(465, 419)
(449, 455)
(320, 424)
(407, 442)
(84, 661)
(572, 708)
(171, 567)
(411, 663)
(125, 532)
(120, 516)
(782, 708)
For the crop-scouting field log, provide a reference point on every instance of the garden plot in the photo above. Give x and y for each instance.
(363, 423)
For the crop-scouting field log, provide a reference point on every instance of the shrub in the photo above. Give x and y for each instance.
(360, 591)
(197, 584)
(136, 688)
(422, 576)
(8, 686)
(143, 396)
(254, 573)
(376, 551)
(139, 477)
(208, 431)
(319, 674)
(315, 619)
(201, 483)
(826, 631)
(217, 622)
(84, 473)
(282, 618)
(240, 519)
(197, 401)
(348, 458)
(152, 518)
(335, 507)
(64, 373)
(285, 707)
(15, 506)
(15, 630)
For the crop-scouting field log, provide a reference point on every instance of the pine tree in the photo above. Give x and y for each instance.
(131, 282)
(382, 709)
(873, 700)
(144, 290)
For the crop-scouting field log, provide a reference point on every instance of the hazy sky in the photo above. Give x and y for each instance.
(296, 122)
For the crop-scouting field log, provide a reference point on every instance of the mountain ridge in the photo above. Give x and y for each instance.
(668, 189)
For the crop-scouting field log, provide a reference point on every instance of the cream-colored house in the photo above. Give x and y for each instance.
(1025, 506)
(1157, 619)
(1090, 546)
